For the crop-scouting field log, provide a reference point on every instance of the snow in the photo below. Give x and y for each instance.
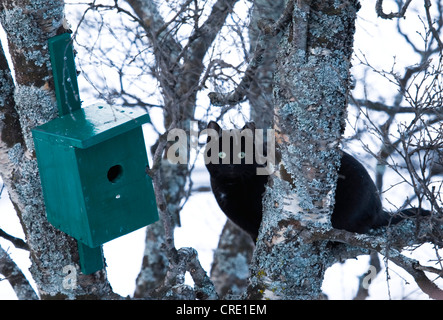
(10, 223)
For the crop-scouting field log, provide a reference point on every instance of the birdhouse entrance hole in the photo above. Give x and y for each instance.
(115, 173)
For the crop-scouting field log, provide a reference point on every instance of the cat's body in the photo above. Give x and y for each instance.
(239, 190)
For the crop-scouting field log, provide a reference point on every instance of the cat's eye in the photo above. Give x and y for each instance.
(222, 155)
(241, 155)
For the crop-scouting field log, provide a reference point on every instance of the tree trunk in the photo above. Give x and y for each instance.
(235, 247)
(180, 81)
(230, 268)
(310, 89)
(31, 102)
(260, 92)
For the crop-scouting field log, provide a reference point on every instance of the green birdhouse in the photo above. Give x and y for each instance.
(92, 164)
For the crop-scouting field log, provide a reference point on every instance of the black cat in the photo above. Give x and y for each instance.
(239, 190)
(237, 187)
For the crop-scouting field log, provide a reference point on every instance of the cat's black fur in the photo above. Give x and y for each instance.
(239, 190)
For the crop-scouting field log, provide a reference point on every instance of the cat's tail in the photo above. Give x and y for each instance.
(390, 218)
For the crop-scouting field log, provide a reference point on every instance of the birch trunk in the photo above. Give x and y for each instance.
(178, 70)
(310, 90)
(29, 102)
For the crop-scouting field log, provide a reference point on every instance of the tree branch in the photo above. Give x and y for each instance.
(269, 27)
(431, 27)
(17, 242)
(174, 287)
(414, 268)
(152, 22)
(399, 14)
(300, 26)
(399, 236)
(199, 43)
(229, 269)
(203, 286)
(239, 93)
(379, 106)
(182, 260)
(16, 278)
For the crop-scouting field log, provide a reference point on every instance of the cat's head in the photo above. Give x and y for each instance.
(230, 154)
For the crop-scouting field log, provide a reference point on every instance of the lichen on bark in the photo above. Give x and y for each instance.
(29, 102)
(311, 84)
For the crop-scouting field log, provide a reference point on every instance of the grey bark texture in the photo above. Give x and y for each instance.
(297, 77)
(310, 89)
(26, 104)
(230, 268)
(260, 92)
(178, 70)
(235, 247)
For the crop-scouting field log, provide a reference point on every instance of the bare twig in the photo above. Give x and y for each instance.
(182, 260)
(431, 27)
(269, 27)
(438, 272)
(414, 268)
(400, 14)
(382, 107)
(400, 237)
(165, 215)
(186, 260)
(423, 184)
(237, 95)
(17, 242)
(16, 278)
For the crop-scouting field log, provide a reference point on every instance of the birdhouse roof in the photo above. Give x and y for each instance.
(90, 125)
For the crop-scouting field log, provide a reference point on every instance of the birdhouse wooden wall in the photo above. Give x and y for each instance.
(93, 171)
(92, 162)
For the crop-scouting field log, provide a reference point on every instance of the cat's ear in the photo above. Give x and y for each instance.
(250, 125)
(214, 125)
